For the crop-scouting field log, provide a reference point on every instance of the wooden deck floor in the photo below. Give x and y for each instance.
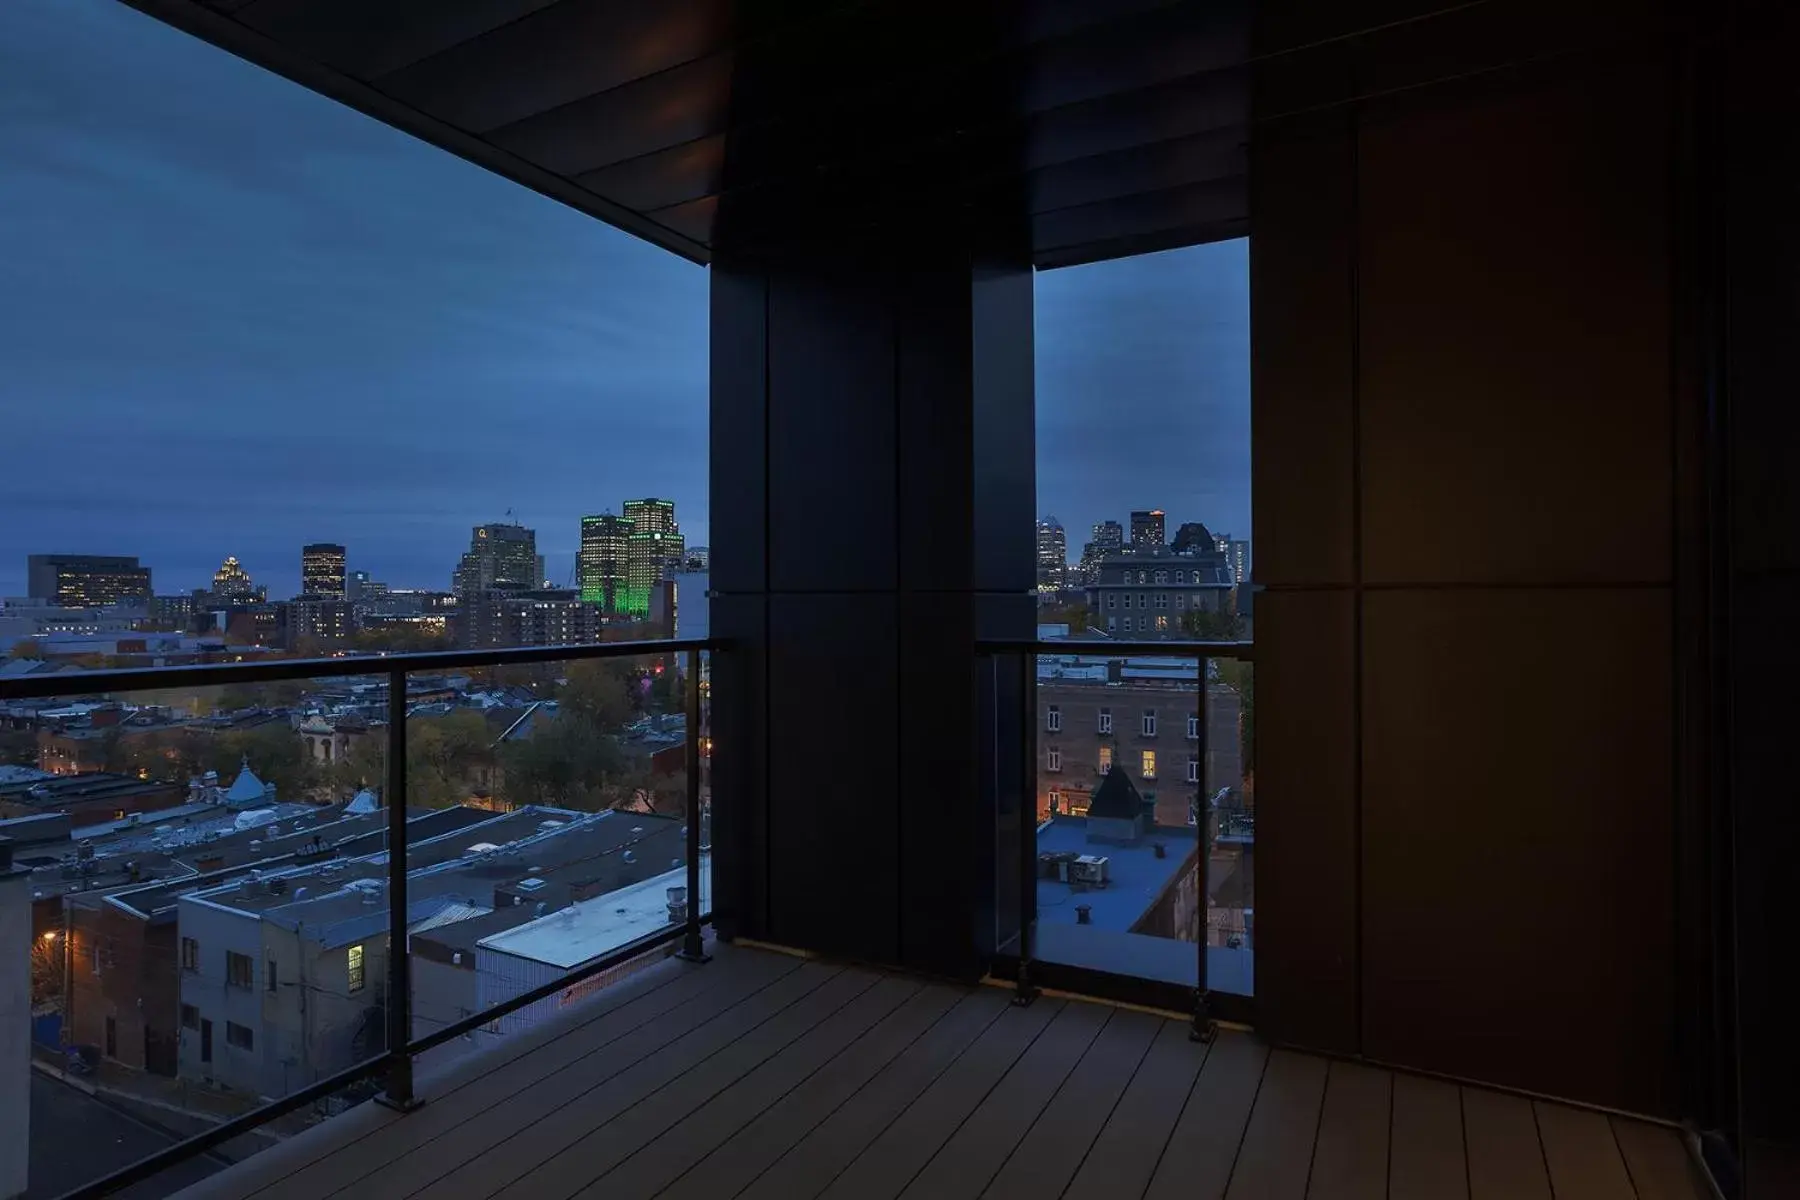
(759, 1075)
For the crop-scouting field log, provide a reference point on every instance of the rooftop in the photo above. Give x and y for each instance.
(1136, 877)
(586, 930)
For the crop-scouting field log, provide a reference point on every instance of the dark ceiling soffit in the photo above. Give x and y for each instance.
(191, 17)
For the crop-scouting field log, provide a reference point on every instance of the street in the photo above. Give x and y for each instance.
(76, 1139)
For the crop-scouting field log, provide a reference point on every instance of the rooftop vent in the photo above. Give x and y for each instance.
(531, 884)
(630, 857)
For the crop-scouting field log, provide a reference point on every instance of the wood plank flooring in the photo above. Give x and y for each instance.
(764, 1076)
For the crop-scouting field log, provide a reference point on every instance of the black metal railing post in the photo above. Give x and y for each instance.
(1205, 1028)
(1024, 991)
(399, 1091)
(693, 948)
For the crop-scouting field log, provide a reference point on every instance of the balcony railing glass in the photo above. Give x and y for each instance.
(208, 880)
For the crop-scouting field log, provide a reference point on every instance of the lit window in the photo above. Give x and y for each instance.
(1149, 764)
(1105, 763)
(353, 964)
(1148, 725)
(1053, 759)
(1162, 622)
(1056, 800)
(1193, 726)
(1193, 770)
(1053, 719)
(1105, 720)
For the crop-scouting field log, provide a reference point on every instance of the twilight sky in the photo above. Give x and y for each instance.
(237, 317)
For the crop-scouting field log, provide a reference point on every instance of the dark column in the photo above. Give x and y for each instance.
(873, 487)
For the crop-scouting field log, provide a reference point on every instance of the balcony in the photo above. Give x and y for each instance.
(763, 1074)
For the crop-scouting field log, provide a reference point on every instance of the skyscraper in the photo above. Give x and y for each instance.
(1108, 538)
(600, 564)
(1052, 556)
(655, 541)
(1237, 555)
(232, 580)
(501, 557)
(322, 570)
(1146, 529)
(87, 580)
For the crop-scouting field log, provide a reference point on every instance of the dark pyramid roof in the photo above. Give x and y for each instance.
(1116, 797)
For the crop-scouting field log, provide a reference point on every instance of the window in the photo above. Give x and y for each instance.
(238, 970)
(1105, 721)
(190, 1017)
(1162, 577)
(1149, 765)
(190, 954)
(1178, 576)
(1112, 601)
(353, 968)
(1180, 603)
(1143, 577)
(1148, 725)
(1053, 719)
(1053, 759)
(1105, 762)
(1193, 770)
(1056, 801)
(1127, 624)
(1162, 599)
(1112, 624)
(239, 1036)
(269, 974)
(1193, 727)
(1162, 622)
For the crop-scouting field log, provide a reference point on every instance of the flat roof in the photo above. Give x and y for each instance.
(589, 929)
(1136, 877)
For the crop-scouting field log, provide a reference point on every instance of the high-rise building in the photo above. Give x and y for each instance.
(326, 620)
(1108, 538)
(322, 570)
(699, 558)
(1147, 529)
(501, 557)
(1052, 556)
(232, 580)
(87, 580)
(654, 543)
(1236, 552)
(1192, 537)
(600, 564)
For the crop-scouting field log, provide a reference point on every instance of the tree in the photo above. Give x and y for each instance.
(276, 753)
(1222, 626)
(364, 764)
(566, 761)
(602, 692)
(18, 747)
(443, 756)
(1240, 677)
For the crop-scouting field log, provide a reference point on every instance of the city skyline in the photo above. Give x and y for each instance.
(249, 344)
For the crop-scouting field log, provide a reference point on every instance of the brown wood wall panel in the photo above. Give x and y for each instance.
(1517, 892)
(1514, 308)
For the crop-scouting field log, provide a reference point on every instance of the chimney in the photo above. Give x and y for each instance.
(1084, 914)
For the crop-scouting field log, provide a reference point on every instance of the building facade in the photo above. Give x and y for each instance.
(328, 621)
(600, 564)
(1052, 556)
(1146, 594)
(501, 557)
(1147, 529)
(87, 580)
(1142, 717)
(1108, 538)
(1191, 537)
(322, 570)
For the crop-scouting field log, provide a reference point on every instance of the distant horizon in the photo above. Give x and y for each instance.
(222, 343)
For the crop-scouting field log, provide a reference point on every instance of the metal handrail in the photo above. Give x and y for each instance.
(396, 1065)
(285, 670)
(1102, 647)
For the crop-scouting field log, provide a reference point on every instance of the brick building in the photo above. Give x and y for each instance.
(1141, 715)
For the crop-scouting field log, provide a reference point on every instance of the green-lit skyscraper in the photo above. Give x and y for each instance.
(600, 565)
(654, 542)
